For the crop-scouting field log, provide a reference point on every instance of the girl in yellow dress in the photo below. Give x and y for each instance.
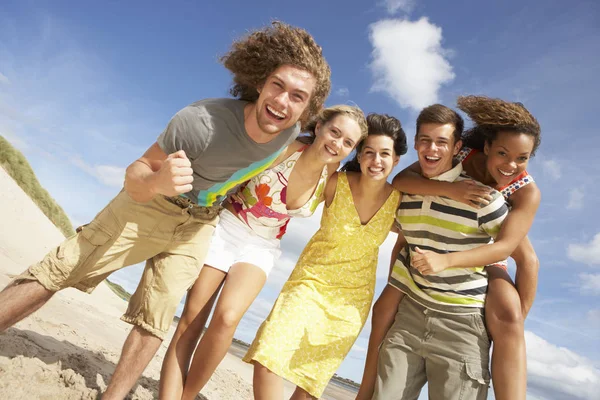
(324, 304)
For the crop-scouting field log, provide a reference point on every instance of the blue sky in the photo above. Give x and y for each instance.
(86, 88)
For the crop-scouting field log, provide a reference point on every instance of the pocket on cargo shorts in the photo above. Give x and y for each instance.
(475, 380)
(74, 252)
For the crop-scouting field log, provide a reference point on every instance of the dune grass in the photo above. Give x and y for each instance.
(119, 290)
(16, 165)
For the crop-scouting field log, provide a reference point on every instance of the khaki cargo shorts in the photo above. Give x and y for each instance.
(170, 234)
(449, 352)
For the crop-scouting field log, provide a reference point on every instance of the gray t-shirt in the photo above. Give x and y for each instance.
(212, 134)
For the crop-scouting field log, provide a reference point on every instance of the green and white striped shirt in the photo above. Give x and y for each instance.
(443, 225)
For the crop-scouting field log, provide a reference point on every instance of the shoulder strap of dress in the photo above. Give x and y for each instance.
(465, 153)
(285, 164)
(523, 179)
(342, 183)
(342, 189)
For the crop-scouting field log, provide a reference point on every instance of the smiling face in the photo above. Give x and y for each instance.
(336, 138)
(377, 157)
(283, 98)
(508, 156)
(435, 148)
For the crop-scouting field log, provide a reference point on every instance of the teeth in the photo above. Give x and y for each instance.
(334, 153)
(432, 158)
(276, 113)
(375, 169)
(506, 173)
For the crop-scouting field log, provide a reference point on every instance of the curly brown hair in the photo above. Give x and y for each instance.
(254, 57)
(492, 116)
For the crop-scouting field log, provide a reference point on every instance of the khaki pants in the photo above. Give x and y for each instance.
(172, 238)
(449, 352)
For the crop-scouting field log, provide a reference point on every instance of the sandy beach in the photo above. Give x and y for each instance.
(69, 348)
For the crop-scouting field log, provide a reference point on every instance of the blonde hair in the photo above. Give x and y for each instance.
(329, 113)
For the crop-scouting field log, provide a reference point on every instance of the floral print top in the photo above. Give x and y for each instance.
(264, 208)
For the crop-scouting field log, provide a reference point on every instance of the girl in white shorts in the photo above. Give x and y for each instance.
(246, 245)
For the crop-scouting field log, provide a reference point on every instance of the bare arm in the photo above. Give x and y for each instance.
(400, 244)
(527, 274)
(513, 230)
(410, 180)
(332, 168)
(330, 189)
(158, 173)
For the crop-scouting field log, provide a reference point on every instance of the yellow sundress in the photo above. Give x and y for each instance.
(324, 304)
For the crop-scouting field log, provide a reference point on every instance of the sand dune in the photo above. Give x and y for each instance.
(69, 348)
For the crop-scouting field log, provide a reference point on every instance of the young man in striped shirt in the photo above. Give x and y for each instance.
(439, 334)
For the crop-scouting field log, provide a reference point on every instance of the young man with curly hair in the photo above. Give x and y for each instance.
(169, 206)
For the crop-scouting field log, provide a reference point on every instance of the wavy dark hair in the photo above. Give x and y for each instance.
(380, 124)
(256, 56)
(492, 116)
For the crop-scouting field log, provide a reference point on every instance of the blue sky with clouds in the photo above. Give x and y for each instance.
(86, 87)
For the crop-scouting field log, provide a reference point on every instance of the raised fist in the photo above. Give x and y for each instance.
(175, 175)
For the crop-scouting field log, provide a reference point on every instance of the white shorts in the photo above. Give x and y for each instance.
(233, 241)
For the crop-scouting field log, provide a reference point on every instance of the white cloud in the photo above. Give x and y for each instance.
(393, 6)
(558, 373)
(587, 253)
(4, 79)
(575, 199)
(342, 92)
(409, 63)
(590, 284)
(552, 168)
(109, 175)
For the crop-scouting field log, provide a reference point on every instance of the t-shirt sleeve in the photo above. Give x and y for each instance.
(187, 131)
(490, 217)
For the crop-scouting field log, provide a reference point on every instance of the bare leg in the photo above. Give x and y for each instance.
(504, 320)
(266, 384)
(301, 394)
(384, 312)
(199, 303)
(242, 285)
(20, 301)
(138, 350)
(526, 278)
